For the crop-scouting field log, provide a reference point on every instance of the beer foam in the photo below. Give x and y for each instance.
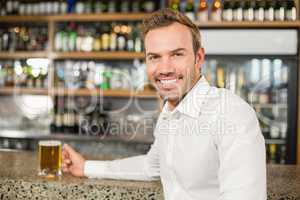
(49, 143)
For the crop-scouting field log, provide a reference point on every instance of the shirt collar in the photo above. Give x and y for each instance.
(191, 104)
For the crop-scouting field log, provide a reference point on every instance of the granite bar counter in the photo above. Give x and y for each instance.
(18, 180)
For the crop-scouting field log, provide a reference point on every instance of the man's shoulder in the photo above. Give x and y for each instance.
(228, 102)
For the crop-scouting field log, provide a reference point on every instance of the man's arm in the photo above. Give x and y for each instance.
(144, 167)
(242, 173)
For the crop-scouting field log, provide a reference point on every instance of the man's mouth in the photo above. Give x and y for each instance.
(167, 82)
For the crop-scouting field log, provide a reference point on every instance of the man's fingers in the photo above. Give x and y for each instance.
(64, 154)
(67, 161)
(69, 150)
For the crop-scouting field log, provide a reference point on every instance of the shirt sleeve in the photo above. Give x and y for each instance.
(143, 167)
(242, 172)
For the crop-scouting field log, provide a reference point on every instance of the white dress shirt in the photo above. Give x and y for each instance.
(209, 147)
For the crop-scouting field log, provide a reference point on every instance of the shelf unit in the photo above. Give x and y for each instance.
(77, 92)
(51, 21)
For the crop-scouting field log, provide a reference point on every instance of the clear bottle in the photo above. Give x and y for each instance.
(279, 11)
(227, 13)
(269, 11)
(248, 11)
(259, 11)
(202, 13)
(113, 37)
(237, 11)
(291, 13)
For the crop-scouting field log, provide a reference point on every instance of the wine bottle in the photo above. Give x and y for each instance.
(237, 11)
(248, 11)
(202, 13)
(227, 13)
(291, 13)
(259, 10)
(269, 11)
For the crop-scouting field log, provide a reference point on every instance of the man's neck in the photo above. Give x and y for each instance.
(173, 103)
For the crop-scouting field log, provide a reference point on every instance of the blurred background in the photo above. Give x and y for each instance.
(74, 70)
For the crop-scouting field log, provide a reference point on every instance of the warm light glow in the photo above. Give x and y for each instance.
(217, 4)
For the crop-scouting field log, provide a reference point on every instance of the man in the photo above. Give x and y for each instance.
(208, 144)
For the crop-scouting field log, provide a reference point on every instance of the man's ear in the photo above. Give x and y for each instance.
(200, 56)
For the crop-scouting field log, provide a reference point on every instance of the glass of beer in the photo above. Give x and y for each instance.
(50, 158)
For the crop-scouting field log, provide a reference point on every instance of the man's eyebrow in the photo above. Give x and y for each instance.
(173, 51)
(152, 54)
(179, 49)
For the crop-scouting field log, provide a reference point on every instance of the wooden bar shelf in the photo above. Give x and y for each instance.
(105, 93)
(23, 54)
(105, 55)
(77, 17)
(141, 16)
(78, 92)
(20, 90)
(254, 24)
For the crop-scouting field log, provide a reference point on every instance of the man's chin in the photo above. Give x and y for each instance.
(170, 97)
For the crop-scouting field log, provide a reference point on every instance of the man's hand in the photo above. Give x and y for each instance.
(72, 161)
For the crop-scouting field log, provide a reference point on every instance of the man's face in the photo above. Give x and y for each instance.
(172, 66)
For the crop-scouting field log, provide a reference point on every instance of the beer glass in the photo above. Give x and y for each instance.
(50, 158)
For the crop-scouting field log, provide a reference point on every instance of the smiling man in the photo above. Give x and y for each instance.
(208, 144)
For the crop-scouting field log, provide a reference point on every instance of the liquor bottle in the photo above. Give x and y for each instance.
(88, 40)
(130, 39)
(282, 156)
(269, 11)
(3, 8)
(97, 38)
(237, 11)
(248, 11)
(174, 4)
(135, 6)
(121, 40)
(112, 6)
(60, 115)
(63, 7)
(220, 77)
(124, 7)
(216, 11)
(279, 11)
(99, 7)
(202, 13)
(88, 6)
(227, 13)
(9, 74)
(148, 6)
(105, 37)
(273, 151)
(259, 10)
(114, 37)
(72, 37)
(79, 7)
(9, 7)
(291, 11)
(189, 10)
(138, 44)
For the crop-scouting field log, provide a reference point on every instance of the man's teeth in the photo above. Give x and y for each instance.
(168, 81)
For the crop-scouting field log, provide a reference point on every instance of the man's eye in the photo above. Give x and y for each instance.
(178, 54)
(152, 57)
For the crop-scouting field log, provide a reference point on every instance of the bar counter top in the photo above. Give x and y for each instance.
(19, 180)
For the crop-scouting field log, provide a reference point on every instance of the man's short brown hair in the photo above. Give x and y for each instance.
(166, 17)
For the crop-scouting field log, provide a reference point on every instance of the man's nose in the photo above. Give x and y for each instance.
(165, 66)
